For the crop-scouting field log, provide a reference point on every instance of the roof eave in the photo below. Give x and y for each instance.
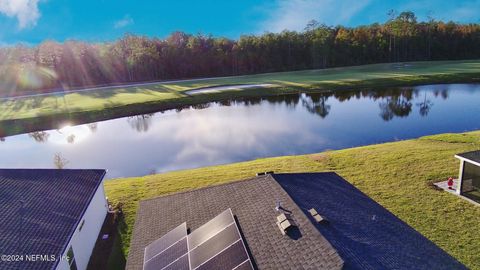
(64, 249)
(468, 160)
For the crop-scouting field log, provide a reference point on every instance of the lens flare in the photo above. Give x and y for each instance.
(70, 134)
(35, 77)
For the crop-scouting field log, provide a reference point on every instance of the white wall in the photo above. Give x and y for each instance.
(83, 241)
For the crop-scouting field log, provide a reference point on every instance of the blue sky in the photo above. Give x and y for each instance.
(31, 21)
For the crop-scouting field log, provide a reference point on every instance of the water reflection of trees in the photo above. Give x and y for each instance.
(395, 106)
(425, 106)
(316, 104)
(199, 106)
(71, 138)
(93, 127)
(140, 123)
(226, 103)
(393, 102)
(443, 93)
(39, 136)
(288, 100)
(59, 161)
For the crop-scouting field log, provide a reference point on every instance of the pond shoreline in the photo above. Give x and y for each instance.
(10, 127)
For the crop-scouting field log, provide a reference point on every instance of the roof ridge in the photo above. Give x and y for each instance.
(230, 183)
(207, 187)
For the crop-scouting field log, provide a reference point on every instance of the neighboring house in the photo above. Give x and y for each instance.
(50, 219)
(469, 176)
(351, 231)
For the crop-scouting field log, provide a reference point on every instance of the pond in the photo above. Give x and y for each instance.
(245, 129)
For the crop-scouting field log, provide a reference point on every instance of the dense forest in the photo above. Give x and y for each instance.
(53, 65)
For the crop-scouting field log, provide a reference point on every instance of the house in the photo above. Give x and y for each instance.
(284, 221)
(469, 176)
(50, 219)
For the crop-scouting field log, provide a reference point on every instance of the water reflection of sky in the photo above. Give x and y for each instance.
(242, 130)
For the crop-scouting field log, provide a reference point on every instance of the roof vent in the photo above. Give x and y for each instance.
(265, 173)
(285, 223)
(318, 218)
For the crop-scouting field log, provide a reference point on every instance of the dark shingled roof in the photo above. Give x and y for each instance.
(366, 235)
(473, 156)
(253, 204)
(362, 232)
(40, 210)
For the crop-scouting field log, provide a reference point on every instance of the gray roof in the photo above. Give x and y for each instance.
(365, 234)
(472, 155)
(253, 204)
(40, 210)
(359, 234)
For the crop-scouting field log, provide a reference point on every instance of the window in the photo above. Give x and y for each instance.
(71, 259)
(471, 181)
(81, 225)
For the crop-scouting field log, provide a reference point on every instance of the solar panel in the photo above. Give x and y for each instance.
(165, 241)
(231, 257)
(215, 245)
(210, 228)
(169, 255)
(180, 264)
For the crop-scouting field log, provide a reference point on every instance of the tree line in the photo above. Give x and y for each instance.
(53, 65)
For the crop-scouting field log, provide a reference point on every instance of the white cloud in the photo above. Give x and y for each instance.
(295, 14)
(459, 11)
(25, 11)
(125, 21)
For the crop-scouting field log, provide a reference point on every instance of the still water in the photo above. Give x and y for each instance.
(237, 130)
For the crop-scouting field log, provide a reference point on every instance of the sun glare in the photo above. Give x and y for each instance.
(34, 76)
(70, 134)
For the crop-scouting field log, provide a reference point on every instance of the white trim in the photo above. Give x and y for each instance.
(145, 249)
(166, 250)
(241, 264)
(205, 224)
(188, 254)
(175, 261)
(165, 235)
(460, 177)
(467, 160)
(97, 206)
(240, 235)
(468, 199)
(223, 229)
(240, 239)
(144, 256)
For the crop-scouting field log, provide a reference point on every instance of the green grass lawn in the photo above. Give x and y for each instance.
(174, 94)
(398, 175)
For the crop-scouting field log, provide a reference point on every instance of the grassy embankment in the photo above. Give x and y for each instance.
(398, 175)
(106, 103)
